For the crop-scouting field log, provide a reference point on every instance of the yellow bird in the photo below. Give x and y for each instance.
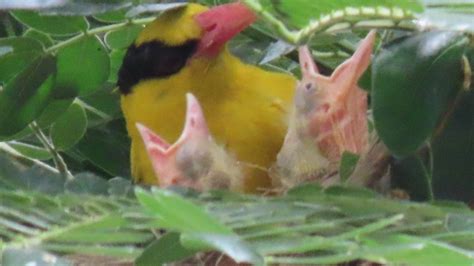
(184, 50)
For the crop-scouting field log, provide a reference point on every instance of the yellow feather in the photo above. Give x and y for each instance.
(174, 27)
(245, 106)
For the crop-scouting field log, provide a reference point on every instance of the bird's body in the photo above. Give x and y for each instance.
(245, 106)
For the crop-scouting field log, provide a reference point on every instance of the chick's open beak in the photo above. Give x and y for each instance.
(220, 24)
(163, 154)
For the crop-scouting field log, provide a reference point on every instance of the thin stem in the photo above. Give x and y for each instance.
(351, 19)
(64, 43)
(92, 109)
(430, 154)
(4, 147)
(95, 31)
(8, 25)
(40, 237)
(57, 158)
(428, 174)
(459, 96)
(431, 167)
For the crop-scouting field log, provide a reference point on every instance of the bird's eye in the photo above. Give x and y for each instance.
(308, 88)
(304, 96)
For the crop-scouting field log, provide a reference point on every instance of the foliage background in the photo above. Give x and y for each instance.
(59, 112)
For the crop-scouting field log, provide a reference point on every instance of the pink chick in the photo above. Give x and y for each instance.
(195, 160)
(328, 118)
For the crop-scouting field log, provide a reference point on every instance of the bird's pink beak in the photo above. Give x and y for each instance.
(220, 24)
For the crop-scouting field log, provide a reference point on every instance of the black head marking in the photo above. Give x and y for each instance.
(152, 60)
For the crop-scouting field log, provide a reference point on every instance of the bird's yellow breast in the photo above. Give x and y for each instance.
(245, 108)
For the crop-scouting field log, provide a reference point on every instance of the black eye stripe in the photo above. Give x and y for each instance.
(152, 60)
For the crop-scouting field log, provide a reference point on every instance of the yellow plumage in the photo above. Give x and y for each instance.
(245, 106)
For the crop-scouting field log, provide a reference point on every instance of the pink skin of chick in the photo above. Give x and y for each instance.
(194, 160)
(329, 115)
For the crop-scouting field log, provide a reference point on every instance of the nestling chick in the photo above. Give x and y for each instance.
(328, 118)
(194, 160)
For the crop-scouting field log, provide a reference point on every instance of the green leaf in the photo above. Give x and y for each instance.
(41, 180)
(87, 183)
(113, 16)
(173, 212)
(83, 67)
(29, 4)
(53, 111)
(69, 128)
(16, 54)
(122, 38)
(103, 105)
(410, 174)
(82, 234)
(422, 252)
(309, 17)
(413, 81)
(23, 98)
(276, 50)
(231, 245)
(123, 253)
(347, 165)
(152, 8)
(45, 39)
(108, 150)
(449, 15)
(120, 186)
(306, 189)
(116, 59)
(166, 249)
(87, 7)
(58, 25)
(460, 222)
(15, 257)
(451, 204)
(247, 49)
(351, 191)
(319, 229)
(298, 13)
(9, 171)
(453, 152)
(365, 81)
(30, 151)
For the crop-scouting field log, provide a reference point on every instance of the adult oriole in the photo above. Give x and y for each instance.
(184, 50)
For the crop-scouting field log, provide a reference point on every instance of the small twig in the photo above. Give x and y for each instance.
(467, 71)
(428, 173)
(57, 158)
(95, 31)
(93, 110)
(346, 18)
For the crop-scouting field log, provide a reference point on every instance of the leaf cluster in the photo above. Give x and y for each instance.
(59, 112)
